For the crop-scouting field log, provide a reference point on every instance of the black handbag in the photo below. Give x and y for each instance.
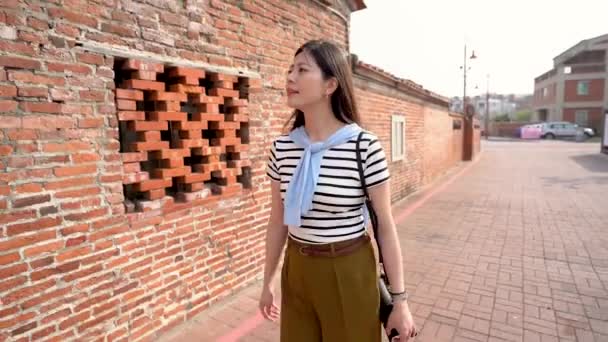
(386, 300)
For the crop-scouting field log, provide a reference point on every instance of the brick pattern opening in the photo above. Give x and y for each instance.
(184, 132)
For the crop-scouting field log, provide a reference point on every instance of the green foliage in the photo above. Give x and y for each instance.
(502, 118)
(524, 116)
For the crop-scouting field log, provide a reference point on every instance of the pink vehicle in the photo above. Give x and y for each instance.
(531, 131)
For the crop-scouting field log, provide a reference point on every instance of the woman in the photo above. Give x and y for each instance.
(329, 278)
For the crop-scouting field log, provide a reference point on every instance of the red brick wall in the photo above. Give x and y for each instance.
(539, 99)
(432, 145)
(443, 145)
(377, 108)
(596, 91)
(74, 265)
(595, 117)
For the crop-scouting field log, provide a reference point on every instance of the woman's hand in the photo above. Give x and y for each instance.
(268, 308)
(401, 320)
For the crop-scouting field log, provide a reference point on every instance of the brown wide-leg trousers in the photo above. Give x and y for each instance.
(330, 299)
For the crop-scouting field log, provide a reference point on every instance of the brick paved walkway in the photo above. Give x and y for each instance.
(515, 249)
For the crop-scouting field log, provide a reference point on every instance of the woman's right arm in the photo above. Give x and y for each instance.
(276, 234)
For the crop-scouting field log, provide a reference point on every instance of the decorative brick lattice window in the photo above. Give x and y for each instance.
(184, 132)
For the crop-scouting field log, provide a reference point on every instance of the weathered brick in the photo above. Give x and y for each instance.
(82, 273)
(84, 192)
(74, 253)
(8, 91)
(85, 158)
(8, 106)
(92, 95)
(91, 123)
(67, 30)
(46, 248)
(40, 224)
(126, 105)
(90, 58)
(134, 64)
(74, 17)
(144, 75)
(130, 115)
(72, 321)
(69, 146)
(37, 24)
(41, 333)
(100, 234)
(37, 80)
(120, 30)
(69, 183)
(12, 271)
(29, 201)
(9, 258)
(24, 328)
(19, 62)
(48, 210)
(143, 85)
(33, 92)
(79, 109)
(167, 116)
(45, 298)
(74, 170)
(46, 261)
(41, 107)
(5, 150)
(86, 215)
(12, 283)
(73, 68)
(148, 125)
(49, 122)
(27, 292)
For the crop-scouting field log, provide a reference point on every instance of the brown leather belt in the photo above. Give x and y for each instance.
(333, 249)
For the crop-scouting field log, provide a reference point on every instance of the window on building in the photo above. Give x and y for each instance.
(567, 70)
(545, 92)
(398, 137)
(582, 88)
(581, 117)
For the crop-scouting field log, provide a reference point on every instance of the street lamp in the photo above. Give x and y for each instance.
(464, 68)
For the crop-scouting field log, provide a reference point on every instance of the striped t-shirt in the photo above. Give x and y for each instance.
(338, 201)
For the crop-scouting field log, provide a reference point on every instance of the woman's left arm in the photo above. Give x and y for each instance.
(388, 239)
(401, 317)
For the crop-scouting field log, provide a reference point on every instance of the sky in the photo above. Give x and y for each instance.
(515, 41)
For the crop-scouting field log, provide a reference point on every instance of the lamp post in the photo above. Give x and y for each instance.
(464, 68)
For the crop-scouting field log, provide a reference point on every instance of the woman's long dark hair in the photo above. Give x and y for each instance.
(333, 63)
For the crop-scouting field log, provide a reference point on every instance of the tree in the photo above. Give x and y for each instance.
(524, 115)
(502, 117)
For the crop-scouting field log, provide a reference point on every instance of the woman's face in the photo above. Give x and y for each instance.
(305, 83)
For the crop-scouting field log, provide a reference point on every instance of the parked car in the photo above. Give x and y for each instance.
(563, 129)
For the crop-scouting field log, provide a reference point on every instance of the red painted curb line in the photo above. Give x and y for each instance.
(254, 321)
(248, 325)
(417, 204)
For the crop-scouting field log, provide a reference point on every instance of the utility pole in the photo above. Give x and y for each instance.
(487, 120)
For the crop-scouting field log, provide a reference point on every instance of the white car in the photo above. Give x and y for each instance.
(563, 129)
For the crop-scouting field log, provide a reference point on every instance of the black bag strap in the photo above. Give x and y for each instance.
(368, 202)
